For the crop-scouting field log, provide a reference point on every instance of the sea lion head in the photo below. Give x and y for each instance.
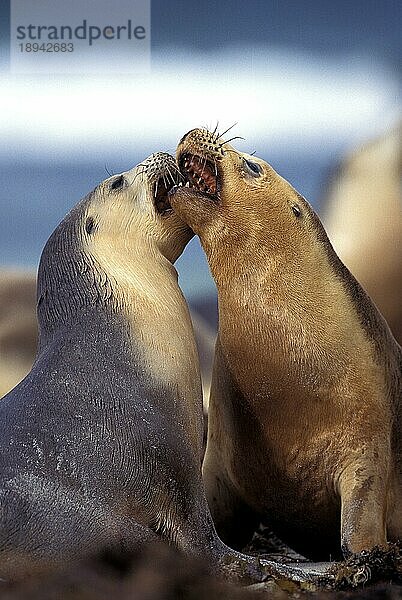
(134, 208)
(232, 198)
(122, 234)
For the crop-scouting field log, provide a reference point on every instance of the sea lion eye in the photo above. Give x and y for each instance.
(89, 225)
(118, 183)
(296, 210)
(253, 168)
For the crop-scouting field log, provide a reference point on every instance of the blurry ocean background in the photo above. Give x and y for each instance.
(304, 81)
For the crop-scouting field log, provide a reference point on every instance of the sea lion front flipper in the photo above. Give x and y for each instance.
(234, 520)
(363, 486)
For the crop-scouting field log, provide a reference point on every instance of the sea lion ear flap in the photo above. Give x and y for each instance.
(90, 225)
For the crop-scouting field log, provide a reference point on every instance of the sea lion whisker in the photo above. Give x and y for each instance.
(236, 137)
(204, 165)
(228, 129)
(177, 171)
(215, 134)
(170, 175)
(193, 156)
(225, 150)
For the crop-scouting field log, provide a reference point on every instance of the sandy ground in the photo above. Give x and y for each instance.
(158, 573)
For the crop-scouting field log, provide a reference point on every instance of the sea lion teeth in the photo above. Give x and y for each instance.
(200, 171)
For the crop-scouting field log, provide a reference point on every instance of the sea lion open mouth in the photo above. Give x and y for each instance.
(165, 176)
(162, 187)
(200, 174)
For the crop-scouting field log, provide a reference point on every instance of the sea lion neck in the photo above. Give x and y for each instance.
(68, 281)
(83, 283)
(271, 266)
(76, 276)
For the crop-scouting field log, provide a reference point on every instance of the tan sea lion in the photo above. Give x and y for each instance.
(101, 443)
(363, 218)
(305, 406)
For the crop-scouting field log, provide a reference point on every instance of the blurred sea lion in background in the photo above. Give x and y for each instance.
(18, 326)
(205, 337)
(363, 217)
